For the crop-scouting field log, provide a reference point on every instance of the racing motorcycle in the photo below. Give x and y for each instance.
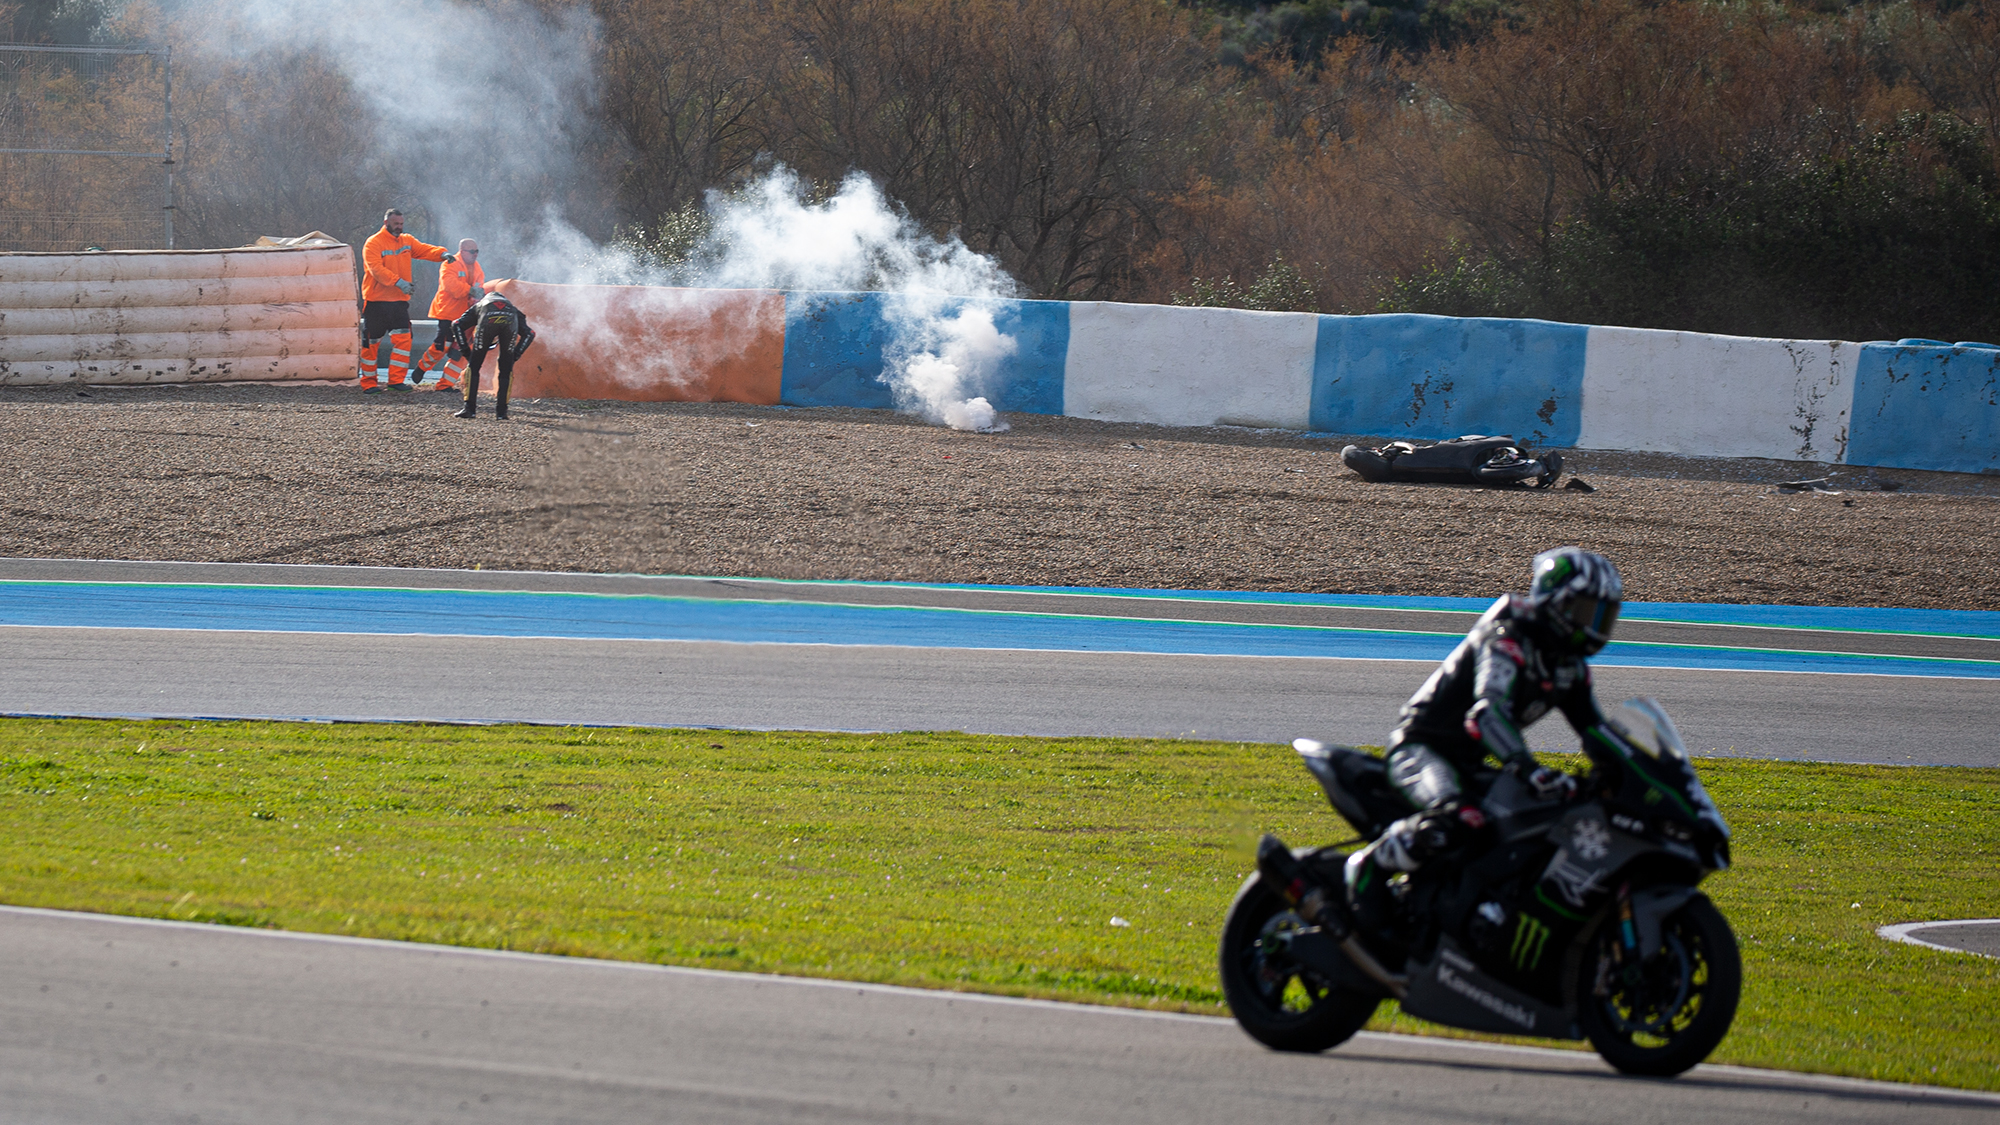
(1473, 459)
(1581, 920)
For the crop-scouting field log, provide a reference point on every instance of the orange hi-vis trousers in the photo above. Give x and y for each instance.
(399, 360)
(450, 368)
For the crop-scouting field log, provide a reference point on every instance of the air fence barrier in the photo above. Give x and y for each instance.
(1909, 404)
(177, 316)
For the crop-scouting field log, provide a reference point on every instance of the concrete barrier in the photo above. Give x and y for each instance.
(840, 346)
(1684, 392)
(288, 313)
(1429, 377)
(148, 316)
(648, 343)
(1189, 367)
(1927, 408)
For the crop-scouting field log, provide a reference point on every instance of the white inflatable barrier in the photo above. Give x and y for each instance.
(268, 316)
(159, 316)
(321, 288)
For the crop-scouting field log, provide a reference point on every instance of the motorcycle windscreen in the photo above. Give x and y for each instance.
(1644, 724)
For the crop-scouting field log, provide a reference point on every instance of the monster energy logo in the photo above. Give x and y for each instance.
(1531, 937)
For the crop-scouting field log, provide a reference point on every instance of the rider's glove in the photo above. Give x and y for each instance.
(1549, 784)
(405, 286)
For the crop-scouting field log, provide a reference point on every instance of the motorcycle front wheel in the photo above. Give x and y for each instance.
(1660, 1016)
(1279, 1002)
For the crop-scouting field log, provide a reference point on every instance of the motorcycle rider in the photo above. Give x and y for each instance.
(494, 322)
(1526, 656)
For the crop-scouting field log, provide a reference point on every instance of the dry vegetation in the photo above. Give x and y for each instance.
(1734, 167)
(316, 475)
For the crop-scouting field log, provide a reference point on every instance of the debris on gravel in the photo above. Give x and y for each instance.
(317, 474)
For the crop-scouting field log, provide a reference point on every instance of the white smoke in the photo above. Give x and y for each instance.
(481, 113)
(487, 109)
(940, 361)
(945, 348)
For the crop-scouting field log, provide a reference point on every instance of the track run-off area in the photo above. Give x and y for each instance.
(218, 640)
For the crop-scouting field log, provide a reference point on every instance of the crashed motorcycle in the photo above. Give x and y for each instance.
(1579, 919)
(1473, 459)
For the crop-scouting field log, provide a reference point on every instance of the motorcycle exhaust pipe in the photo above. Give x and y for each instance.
(1333, 928)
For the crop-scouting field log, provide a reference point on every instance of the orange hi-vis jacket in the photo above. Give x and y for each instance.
(456, 282)
(385, 260)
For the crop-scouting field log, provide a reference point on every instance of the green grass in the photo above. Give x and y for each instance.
(937, 860)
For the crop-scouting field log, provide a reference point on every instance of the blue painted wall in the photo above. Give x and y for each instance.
(834, 345)
(1926, 408)
(1429, 377)
(833, 351)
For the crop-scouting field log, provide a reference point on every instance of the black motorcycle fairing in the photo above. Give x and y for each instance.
(1472, 459)
(1512, 907)
(1515, 811)
(1356, 783)
(1656, 796)
(1452, 989)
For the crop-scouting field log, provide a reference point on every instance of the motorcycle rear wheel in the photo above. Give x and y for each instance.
(1277, 1001)
(1507, 466)
(1665, 1015)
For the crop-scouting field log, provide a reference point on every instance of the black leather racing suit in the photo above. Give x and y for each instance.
(1503, 676)
(491, 323)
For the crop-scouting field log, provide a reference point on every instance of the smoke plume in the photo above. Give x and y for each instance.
(484, 113)
(941, 299)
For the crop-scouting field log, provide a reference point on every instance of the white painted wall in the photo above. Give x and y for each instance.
(1683, 392)
(1189, 367)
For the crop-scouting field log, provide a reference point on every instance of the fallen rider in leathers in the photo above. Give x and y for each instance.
(1525, 657)
(492, 323)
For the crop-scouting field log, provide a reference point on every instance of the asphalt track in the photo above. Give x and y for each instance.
(122, 1020)
(234, 640)
(118, 1019)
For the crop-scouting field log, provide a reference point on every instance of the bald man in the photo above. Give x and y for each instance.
(460, 284)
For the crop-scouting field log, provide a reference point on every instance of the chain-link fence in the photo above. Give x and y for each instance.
(86, 148)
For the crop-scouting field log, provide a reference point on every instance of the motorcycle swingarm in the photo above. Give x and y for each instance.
(1317, 950)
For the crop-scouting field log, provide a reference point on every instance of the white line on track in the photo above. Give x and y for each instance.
(1056, 1008)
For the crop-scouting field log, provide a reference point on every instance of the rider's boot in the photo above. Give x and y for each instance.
(1403, 848)
(1369, 898)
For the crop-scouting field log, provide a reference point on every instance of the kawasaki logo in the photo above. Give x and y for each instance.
(1506, 1010)
(1531, 938)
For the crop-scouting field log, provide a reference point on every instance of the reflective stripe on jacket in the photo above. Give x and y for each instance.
(455, 285)
(385, 260)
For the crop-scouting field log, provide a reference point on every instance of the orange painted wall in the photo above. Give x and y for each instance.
(644, 343)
